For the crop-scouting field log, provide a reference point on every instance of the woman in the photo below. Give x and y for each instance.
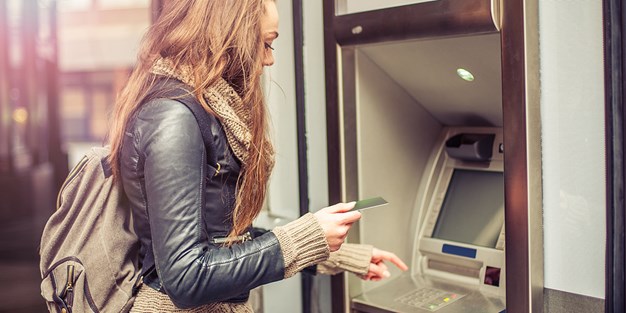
(197, 253)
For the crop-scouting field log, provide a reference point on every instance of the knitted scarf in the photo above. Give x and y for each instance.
(223, 100)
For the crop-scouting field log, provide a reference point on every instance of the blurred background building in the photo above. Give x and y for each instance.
(61, 65)
(98, 41)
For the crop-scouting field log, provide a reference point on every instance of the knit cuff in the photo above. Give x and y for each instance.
(303, 244)
(354, 258)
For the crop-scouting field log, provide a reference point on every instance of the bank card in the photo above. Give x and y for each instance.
(369, 203)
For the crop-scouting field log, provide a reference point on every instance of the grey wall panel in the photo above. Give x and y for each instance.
(395, 136)
(556, 301)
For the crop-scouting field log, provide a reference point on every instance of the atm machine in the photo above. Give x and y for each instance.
(458, 248)
(416, 115)
(431, 144)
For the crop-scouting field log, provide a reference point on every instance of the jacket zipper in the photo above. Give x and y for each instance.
(242, 238)
(217, 170)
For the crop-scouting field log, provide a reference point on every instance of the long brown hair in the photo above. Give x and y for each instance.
(215, 38)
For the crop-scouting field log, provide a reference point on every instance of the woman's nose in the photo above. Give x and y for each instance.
(269, 60)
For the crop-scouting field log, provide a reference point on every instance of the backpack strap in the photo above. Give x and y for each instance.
(175, 90)
(204, 119)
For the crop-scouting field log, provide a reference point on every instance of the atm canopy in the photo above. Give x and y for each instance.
(428, 70)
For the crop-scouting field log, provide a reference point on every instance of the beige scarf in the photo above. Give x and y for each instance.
(223, 100)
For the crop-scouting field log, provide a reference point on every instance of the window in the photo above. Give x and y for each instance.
(122, 4)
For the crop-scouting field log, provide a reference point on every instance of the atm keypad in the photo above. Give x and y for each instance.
(429, 298)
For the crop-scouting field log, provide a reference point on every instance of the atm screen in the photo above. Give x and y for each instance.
(473, 208)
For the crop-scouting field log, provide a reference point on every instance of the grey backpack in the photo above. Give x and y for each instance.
(89, 250)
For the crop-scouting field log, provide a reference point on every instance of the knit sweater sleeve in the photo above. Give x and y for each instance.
(354, 258)
(303, 244)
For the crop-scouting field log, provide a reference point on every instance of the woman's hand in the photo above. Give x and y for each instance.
(378, 270)
(336, 221)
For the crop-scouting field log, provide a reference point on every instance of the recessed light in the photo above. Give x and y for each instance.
(465, 74)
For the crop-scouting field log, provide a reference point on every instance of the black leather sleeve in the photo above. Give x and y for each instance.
(192, 271)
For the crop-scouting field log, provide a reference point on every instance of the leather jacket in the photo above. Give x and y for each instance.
(177, 219)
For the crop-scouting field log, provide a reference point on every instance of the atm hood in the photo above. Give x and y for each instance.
(427, 70)
(421, 46)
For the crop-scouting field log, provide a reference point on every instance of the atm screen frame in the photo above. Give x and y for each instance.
(471, 258)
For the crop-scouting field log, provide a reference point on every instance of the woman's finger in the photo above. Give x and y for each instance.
(349, 217)
(398, 262)
(391, 257)
(379, 271)
(340, 207)
(383, 266)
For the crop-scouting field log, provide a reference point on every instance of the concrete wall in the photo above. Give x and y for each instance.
(283, 199)
(315, 108)
(572, 109)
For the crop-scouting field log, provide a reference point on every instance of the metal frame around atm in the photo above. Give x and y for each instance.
(520, 97)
